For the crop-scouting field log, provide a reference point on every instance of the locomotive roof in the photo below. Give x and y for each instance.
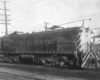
(43, 32)
(60, 30)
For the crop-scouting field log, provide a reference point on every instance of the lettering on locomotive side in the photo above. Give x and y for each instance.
(36, 45)
(44, 45)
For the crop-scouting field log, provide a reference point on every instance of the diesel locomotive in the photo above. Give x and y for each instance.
(63, 47)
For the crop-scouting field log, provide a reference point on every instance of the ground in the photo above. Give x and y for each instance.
(30, 72)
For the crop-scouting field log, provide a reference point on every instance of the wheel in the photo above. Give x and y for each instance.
(61, 64)
(72, 63)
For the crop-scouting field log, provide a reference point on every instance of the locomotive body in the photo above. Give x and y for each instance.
(60, 47)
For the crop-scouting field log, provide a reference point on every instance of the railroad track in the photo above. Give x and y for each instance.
(52, 71)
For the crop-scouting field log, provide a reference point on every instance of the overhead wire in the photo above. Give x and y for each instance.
(92, 15)
(35, 2)
(24, 21)
(81, 16)
(20, 3)
(87, 16)
(49, 5)
(60, 24)
(57, 1)
(67, 5)
(27, 4)
(39, 2)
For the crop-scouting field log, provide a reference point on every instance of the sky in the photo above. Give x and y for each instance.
(29, 15)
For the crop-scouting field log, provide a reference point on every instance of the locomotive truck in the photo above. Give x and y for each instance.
(63, 47)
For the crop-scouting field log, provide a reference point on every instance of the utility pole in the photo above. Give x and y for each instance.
(5, 16)
(46, 25)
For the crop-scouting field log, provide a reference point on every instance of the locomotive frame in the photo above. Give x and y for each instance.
(64, 47)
